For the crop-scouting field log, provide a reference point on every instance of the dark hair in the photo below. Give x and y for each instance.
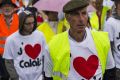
(32, 9)
(22, 17)
(8, 2)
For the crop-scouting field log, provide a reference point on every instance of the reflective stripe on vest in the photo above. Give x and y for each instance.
(62, 76)
(2, 40)
(2, 44)
(60, 51)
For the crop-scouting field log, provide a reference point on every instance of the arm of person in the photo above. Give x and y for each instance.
(112, 46)
(48, 66)
(110, 68)
(9, 63)
(11, 69)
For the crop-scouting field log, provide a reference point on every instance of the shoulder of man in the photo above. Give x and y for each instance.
(100, 35)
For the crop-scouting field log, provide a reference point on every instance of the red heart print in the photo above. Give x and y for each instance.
(85, 68)
(33, 52)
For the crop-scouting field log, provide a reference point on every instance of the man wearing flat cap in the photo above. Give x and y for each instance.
(79, 53)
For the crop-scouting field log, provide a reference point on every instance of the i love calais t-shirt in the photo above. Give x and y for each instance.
(27, 52)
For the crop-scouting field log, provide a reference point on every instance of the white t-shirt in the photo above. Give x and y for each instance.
(108, 3)
(112, 26)
(27, 52)
(84, 63)
(84, 60)
(54, 25)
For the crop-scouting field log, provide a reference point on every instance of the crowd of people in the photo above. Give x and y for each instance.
(81, 42)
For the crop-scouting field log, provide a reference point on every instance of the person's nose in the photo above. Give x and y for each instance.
(32, 24)
(81, 17)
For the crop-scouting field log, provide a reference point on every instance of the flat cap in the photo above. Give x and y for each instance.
(74, 4)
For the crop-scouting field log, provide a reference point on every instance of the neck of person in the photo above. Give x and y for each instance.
(8, 19)
(78, 36)
(8, 16)
(23, 33)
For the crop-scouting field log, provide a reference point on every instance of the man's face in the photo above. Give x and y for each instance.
(7, 9)
(78, 20)
(28, 25)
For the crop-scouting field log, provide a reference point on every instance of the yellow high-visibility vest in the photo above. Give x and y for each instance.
(94, 21)
(47, 30)
(60, 52)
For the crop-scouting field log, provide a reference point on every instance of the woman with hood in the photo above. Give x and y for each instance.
(24, 49)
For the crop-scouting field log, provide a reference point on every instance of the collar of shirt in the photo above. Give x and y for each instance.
(10, 20)
(88, 40)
